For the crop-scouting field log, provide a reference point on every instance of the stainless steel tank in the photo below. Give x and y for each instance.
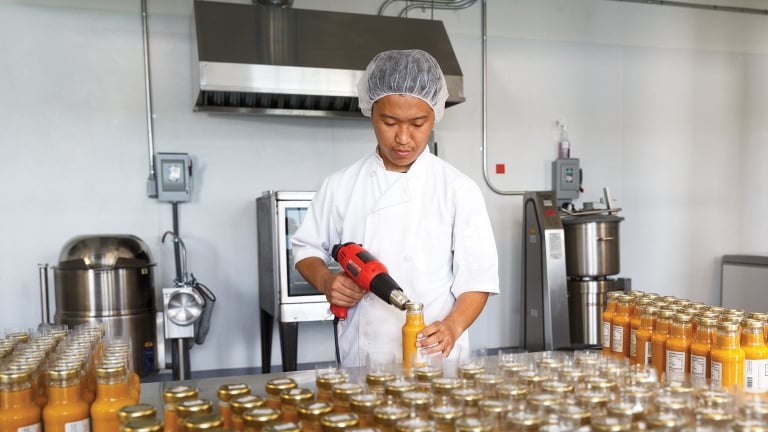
(109, 279)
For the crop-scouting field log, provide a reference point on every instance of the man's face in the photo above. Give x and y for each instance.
(402, 125)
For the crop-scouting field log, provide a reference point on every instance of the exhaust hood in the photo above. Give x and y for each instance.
(259, 59)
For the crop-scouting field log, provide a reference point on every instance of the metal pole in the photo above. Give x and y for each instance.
(44, 307)
(181, 360)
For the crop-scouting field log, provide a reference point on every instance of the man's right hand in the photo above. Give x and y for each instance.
(338, 288)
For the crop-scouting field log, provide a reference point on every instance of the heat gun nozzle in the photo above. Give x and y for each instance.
(398, 299)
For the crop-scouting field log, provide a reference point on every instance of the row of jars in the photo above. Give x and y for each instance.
(61, 380)
(684, 340)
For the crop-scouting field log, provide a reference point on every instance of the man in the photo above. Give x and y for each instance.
(422, 218)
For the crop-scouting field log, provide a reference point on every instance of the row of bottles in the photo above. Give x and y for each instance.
(684, 340)
(61, 381)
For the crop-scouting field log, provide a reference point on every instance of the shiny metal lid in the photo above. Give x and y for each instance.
(87, 252)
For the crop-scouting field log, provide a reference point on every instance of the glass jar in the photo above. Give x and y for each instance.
(18, 409)
(396, 388)
(706, 334)
(414, 323)
(191, 407)
(341, 393)
(472, 424)
(621, 326)
(112, 393)
(727, 358)
(644, 333)
(325, 380)
(444, 416)
(290, 399)
(443, 387)
(468, 399)
(386, 416)
(469, 371)
(543, 403)
(254, 419)
(594, 401)
(415, 424)
(678, 347)
(755, 356)
(172, 396)
(242, 404)
(136, 412)
(377, 380)
(611, 424)
(659, 341)
(493, 412)
(524, 421)
(488, 384)
(572, 417)
(203, 422)
(142, 425)
(282, 427)
(310, 413)
(710, 419)
(418, 402)
(225, 393)
(607, 320)
(425, 374)
(634, 325)
(363, 405)
(276, 386)
(338, 422)
(66, 409)
(514, 395)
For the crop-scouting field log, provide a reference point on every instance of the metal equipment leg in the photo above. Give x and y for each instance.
(289, 339)
(267, 322)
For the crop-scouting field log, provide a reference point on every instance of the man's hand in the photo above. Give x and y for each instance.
(338, 288)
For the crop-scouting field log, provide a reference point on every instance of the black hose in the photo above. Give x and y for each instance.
(336, 339)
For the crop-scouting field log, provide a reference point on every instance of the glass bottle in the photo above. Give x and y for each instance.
(755, 356)
(634, 326)
(341, 393)
(706, 332)
(325, 380)
(659, 340)
(418, 402)
(414, 323)
(18, 410)
(256, 418)
(727, 367)
(242, 404)
(310, 413)
(338, 422)
(275, 386)
(66, 410)
(136, 412)
(290, 399)
(607, 320)
(112, 393)
(363, 405)
(620, 327)
(385, 417)
(203, 422)
(189, 408)
(678, 347)
(444, 416)
(171, 397)
(225, 393)
(143, 425)
(644, 333)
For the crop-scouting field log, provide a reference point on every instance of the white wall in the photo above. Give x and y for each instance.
(664, 106)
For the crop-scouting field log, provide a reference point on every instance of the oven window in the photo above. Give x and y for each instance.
(297, 286)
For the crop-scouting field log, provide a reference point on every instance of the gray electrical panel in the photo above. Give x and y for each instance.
(566, 180)
(174, 173)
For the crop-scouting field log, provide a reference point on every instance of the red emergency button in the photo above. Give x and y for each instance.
(549, 212)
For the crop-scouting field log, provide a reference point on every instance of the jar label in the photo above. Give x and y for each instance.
(716, 375)
(618, 339)
(607, 335)
(31, 428)
(633, 343)
(648, 354)
(675, 365)
(698, 366)
(756, 375)
(77, 426)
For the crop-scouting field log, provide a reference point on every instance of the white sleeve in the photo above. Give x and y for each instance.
(316, 235)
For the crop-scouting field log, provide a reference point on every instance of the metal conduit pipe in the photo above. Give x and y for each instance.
(436, 4)
(713, 7)
(461, 4)
(151, 185)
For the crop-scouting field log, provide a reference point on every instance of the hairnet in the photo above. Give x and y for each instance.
(408, 72)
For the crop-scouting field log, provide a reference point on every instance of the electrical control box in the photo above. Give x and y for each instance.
(174, 177)
(566, 180)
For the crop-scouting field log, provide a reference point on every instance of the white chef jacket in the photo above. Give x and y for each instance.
(428, 226)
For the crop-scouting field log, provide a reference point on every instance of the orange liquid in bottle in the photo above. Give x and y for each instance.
(644, 333)
(414, 323)
(112, 393)
(621, 327)
(755, 357)
(678, 347)
(17, 402)
(727, 370)
(701, 362)
(607, 318)
(659, 341)
(66, 409)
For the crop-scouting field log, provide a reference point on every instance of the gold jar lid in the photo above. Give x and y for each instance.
(142, 425)
(136, 412)
(667, 420)
(282, 427)
(682, 318)
(296, 396)
(524, 420)
(592, 398)
(63, 373)
(706, 321)
(600, 383)
(227, 392)
(753, 324)
(277, 385)
(313, 410)
(611, 424)
(428, 373)
(544, 400)
(110, 370)
(365, 402)
(379, 378)
(557, 387)
(257, 417)
(325, 380)
(443, 414)
(343, 391)
(574, 413)
(470, 370)
(512, 369)
(242, 404)
(467, 396)
(190, 407)
(179, 393)
(492, 406)
(445, 384)
(762, 316)
(472, 424)
(398, 387)
(571, 374)
(488, 379)
(512, 391)
(414, 424)
(18, 376)
(532, 378)
(203, 422)
(711, 398)
(416, 399)
(625, 409)
(672, 404)
(389, 413)
(338, 421)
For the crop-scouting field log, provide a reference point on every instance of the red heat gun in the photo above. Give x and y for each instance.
(369, 274)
